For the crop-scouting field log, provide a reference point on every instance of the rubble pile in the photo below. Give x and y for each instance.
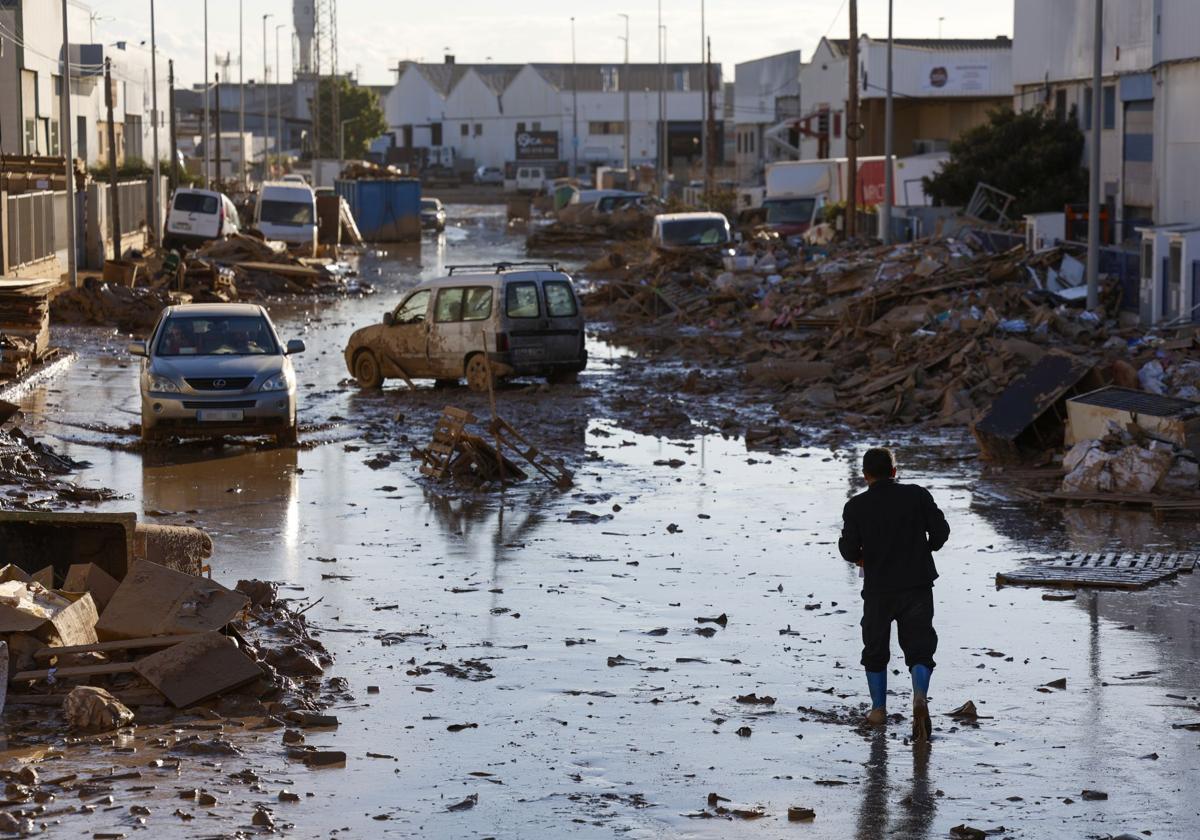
(24, 325)
(31, 472)
(1127, 461)
(928, 332)
(133, 310)
(578, 224)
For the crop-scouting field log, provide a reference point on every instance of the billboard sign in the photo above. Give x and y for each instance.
(537, 145)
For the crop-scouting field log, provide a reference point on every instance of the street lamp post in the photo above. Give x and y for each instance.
(155, 210)
(278, 99)
(207, 171)
(574, 107)
(625, 88)
(241, 98)
(68, 151)
(265, 108)
(704, 150)
(889, 125)
(1093, 263)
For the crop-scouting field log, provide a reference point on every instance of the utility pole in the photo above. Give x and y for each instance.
(242, 101)
(266, 99)
(171, 106)
(625, 88)
(68, 149)
(888, 143)
(156, 187)
(217, 145)
(710, 130)
(575, 106)
(1093, 263)
(658, 134)
(279, 100)
(704, 100)
(666, 120)
(852, 129)
(114, 206)
(207, 170)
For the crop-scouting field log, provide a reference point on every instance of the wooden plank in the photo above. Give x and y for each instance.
(120, 644)
(76, 671)
(204, 666)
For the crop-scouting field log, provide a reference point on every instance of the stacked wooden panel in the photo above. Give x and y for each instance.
(24, 324)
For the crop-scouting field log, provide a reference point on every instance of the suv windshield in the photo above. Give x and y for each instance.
(231, 335)
(286, 213)
(191, 202)
(695, 232)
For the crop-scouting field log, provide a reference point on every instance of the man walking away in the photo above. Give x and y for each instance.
(891, 532)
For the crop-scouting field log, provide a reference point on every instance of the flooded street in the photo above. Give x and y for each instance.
(561, 627)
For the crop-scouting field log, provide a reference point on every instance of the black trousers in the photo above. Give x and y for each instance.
(912, 610)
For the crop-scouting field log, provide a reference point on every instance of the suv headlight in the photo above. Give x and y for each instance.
(278, 382)
(163, 385)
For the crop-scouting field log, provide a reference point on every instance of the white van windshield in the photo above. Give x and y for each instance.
(285, 213)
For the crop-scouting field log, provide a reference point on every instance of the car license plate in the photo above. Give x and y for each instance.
(183, 226)
(529, 352)
(220, 415)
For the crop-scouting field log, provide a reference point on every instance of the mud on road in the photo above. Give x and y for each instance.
(535, 663)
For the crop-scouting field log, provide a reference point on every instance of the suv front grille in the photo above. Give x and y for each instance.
(233, 383)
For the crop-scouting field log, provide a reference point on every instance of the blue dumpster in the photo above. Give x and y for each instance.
(386, 209)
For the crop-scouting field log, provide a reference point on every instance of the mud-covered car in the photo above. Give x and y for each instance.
(217, 369)
(528, 322)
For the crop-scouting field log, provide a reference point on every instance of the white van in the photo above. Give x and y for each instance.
(688, 231)
(287, 212)
(530, 179)
(199, 216)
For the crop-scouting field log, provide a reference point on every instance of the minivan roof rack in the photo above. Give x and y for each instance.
(498, 267)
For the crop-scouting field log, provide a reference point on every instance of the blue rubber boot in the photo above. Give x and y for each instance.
(922, 725)
(877, 683)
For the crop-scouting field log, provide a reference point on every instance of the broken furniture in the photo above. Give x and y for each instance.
(31, 540)
(1167, 419)
(1029, 415)
(1100, 571)
(455, 451)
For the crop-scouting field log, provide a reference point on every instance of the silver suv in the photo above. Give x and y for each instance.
(217, 369)
(528, 322)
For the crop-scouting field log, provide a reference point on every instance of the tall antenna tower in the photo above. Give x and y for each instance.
(326, 117)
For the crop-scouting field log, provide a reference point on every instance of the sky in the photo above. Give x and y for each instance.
(373, 35)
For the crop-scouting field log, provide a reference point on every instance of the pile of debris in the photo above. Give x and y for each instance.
(31, 472)
(24, 325)
(1129, 462)
(578, 224)
(111, 643)
(924, 332)
(470, 459)
(132, 310)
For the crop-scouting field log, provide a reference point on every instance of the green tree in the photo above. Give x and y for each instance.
(1031, 155)
(359, 109)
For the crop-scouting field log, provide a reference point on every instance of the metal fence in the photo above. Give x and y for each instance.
(33, 233)
(133, 199)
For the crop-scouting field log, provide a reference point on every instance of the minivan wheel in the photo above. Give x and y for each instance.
(479, 374)
(366, 370)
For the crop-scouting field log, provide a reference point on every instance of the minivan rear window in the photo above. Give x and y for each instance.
(195, 203)
(560, 301)
(285, 213)
(522, 300)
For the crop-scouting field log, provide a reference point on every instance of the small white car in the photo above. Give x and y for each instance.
(689, 231)
(489, 176)
(199, 216)
(216, 369)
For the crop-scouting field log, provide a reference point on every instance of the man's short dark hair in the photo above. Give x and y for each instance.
(879, 463)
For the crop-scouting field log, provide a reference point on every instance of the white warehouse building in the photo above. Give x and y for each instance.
(479, 110)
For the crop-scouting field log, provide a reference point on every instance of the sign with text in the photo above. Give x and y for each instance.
(956, 79)
(537, 145)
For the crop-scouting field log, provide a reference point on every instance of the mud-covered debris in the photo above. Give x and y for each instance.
(320, 758)
(473, 670)
(459, 727)
(753, 699)
(706, 632)
(966, 711)
(262, 593)
(722, 620)
(1060, 683)
(744, 732)
(966, 832)
(796, 813)
(263, 818)
(286, 795)
(724, 807)
(618, 660)
(90, 708)
(657, 631)
(585, 516)
(1093, 796)
(465, 804)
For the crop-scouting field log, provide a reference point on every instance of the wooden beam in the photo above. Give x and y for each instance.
(120, 644)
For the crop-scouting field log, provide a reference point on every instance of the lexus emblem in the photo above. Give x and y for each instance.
(218, 383)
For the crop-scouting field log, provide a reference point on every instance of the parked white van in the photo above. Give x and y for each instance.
(531, 179)
(199, 216)
(686, 231)
(287, 212)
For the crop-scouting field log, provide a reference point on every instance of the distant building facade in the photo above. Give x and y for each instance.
(766, 94)
(495, 114)
(1150, 122)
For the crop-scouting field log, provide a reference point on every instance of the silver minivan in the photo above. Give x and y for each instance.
(528, 321)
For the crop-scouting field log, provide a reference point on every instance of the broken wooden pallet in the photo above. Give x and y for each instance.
(1100, 571)
(681, 299)
(447, 433)
(1150, 501)
(547, 465)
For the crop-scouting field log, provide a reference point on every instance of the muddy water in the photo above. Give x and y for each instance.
(533, 593)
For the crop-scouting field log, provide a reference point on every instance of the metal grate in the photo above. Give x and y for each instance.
(1100, 571)
(233, 383)
(1139, 402)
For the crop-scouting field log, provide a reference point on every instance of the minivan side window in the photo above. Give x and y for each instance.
(413, 310)
(477, 304)
(560, 302)
(522, 300)
(449, 306)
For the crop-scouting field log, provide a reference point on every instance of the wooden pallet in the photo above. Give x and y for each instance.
(681, 299)
(1100, 571)
(550, 467)
(447, 432)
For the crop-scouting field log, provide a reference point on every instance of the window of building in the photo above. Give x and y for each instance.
(739, 142)
(837, 125)
(681, 80)
(478, 129)
(1086, 124)
(465, 129)
(610, 79)
(1060, 105)
(54, 137)
(435, 134)
(537, 126)
(750, 137)
(520, 127)
(1109, 101)
(603, 128)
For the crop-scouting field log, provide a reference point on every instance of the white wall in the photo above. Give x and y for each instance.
(413, 101)
(1053, 40)
(823, 81)
(1178, 144)
(971, 72)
